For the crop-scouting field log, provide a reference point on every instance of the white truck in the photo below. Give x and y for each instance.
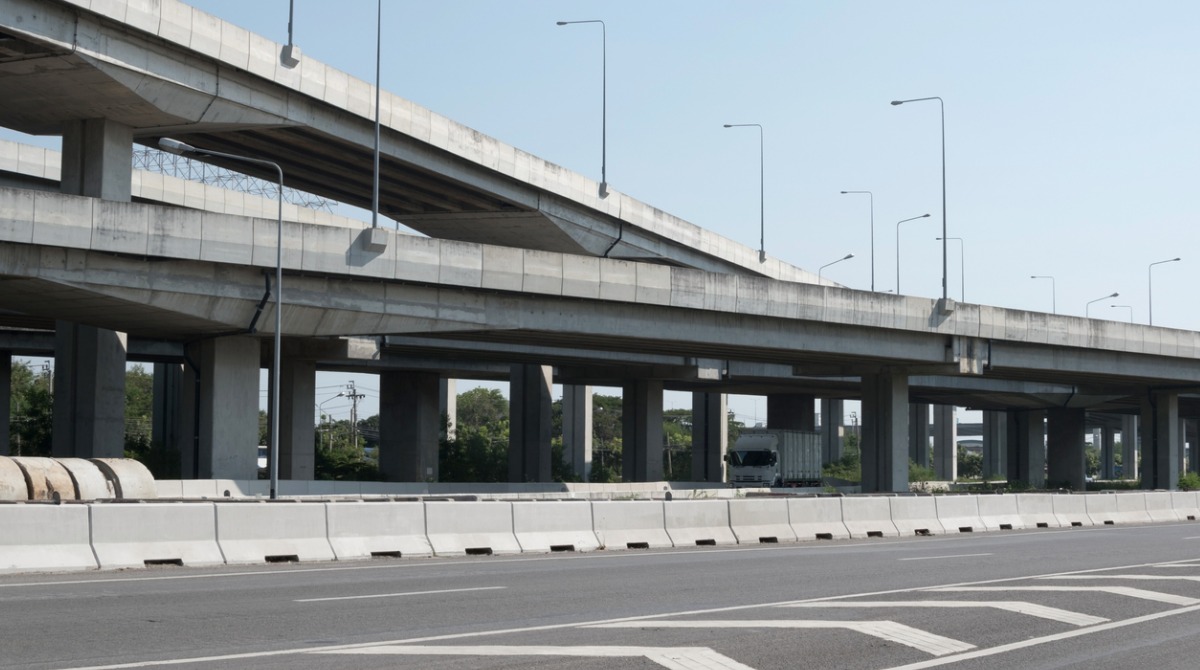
(775, 457)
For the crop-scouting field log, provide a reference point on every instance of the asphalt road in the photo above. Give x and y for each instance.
(1110, 597)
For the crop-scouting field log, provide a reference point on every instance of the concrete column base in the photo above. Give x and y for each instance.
(529, 424)
(409, 425)
(1065, 459)
(89, 392)
(885, 432)
(1027, 447)
(710, 436)
(641, 431)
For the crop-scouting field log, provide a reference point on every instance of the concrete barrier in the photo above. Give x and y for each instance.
(90, 481)
(376, 529)
(630, 524)
(169, 488)
(142, 534)
(549, 526)
(1071, 510)
(1160, 507)
(12, 480)
(1186, 504)
(960, 513)
(47, 478)
(1037, 510)
(1101, 509)
(1131, 508)
(474, 528)
(262, 532)
(761, 520)
(131, 480)
(868, 517)
(817, 519)
(45, 538)
(692, 523)
(999, 512)
(916, 515)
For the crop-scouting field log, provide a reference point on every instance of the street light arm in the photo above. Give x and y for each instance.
(603, 99)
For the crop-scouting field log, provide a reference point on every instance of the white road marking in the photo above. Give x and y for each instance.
(1023, 644)
(645, 617)
(675, 658)
(1019, 607)
(935, 558)
(398, 595)
(1156, 578)
(1156, 596)
(887, 630)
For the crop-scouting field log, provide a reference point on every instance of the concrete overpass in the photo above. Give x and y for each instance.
(603, 288)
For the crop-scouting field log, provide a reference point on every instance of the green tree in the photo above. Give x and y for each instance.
(970, 464)
(31, 408)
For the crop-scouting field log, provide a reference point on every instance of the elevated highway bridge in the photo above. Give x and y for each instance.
(525, 267)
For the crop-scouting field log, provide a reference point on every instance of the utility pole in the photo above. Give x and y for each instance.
(353, 394)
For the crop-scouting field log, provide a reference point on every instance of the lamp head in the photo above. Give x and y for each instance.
(848, 257)
(923, 216)
(1114, 295)
(728, 125)
(561, 23)
(845, 192)
(897, 102)
(175, 146)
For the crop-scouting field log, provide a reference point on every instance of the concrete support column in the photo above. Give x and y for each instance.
(5, 402)
(945, 443)
(792, 411)
(224, 421)
(710, 436)
(1160, 440)
(885, 432)
(1108, 464)
(577, 429)
(1066, 464)
(918, 434)
(97, 159)
(995, 429)
(89, 392)
(167, 428)
(409, 424)
(832, 442)
(529, 423)
(1183, 445)
(641, 431)
(1129, 447)
(1027, 447)
(448, 405)
(297, 430)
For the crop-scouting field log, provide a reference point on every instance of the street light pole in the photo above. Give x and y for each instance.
(1087, 310)
(872, 197)
(762, 249)
(923, 216)
(1128, 307)
(1053, 292)
(603, 101)
(1150, 287)
(181, 148)
(822, 268)
(962, 267)
(941, 106)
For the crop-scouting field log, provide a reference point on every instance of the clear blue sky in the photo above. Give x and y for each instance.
(1072, 127)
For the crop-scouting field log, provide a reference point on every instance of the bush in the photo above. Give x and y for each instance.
(1189, 482)
(920, 473)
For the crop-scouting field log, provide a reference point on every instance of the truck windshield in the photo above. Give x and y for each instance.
(754, 459)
